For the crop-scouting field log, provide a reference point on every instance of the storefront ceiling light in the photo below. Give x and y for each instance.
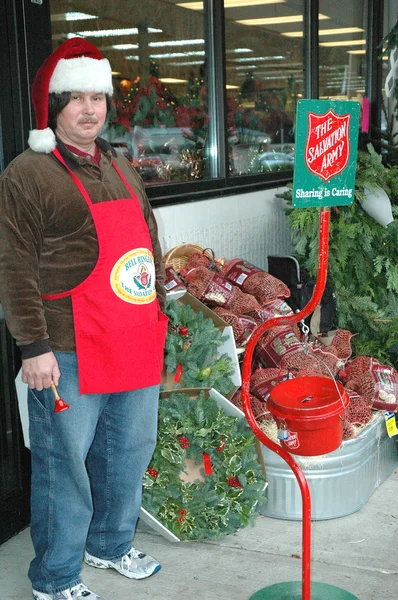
(176, 43)
(278, 77)
(172, 80)
(356, 51)
(245, 67)
(124, 46)
(238, 50)
(132, 57)
(232, 87)
(343, 43)
(159, 44)
(259, 58)
(186, 64)
(230, 3)
(116, 73)
(339, 31)
(72, 16)
(178, 54)
(278, 73)
(112, 32)
(278, 20)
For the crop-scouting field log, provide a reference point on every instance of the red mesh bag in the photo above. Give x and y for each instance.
(263, 380)
(260, 411)
(356, 367)
(277, 308)
(276, 344)
(242, 325)
(198, 259)
(348, 430)
(375, 382)
(357, 411)
(212, 289)
(342, 343)
(282, 345)
(328, 358)
(172, 281)
(302, 364)
(252, 280)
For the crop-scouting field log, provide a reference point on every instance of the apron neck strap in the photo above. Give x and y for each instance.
(77, 181)
(79, 184)
(122, 177)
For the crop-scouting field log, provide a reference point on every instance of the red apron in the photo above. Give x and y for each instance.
(119, 329)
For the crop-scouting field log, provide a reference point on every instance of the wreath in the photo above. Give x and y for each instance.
(192, 350)
(233, 482)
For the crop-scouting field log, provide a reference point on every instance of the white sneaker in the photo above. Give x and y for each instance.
(77, 592)
(134, 564)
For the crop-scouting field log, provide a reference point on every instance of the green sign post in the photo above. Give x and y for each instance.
(325, 153)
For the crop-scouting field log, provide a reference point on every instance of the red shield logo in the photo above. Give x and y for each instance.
(328, 144)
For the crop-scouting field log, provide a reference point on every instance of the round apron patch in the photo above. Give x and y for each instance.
(133, 277)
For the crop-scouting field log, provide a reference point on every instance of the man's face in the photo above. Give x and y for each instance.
(82, 119)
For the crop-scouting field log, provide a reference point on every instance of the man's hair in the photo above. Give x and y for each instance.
(57, 103)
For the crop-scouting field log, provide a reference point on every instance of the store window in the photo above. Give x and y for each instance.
(169, 75)
(387, 135)
(264, 79)
(342, 49)
(157, 50)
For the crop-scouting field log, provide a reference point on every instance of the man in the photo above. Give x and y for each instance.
(82, 290)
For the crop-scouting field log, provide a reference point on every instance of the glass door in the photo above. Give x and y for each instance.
(22, 23)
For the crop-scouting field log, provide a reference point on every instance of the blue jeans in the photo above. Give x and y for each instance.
(87, 468)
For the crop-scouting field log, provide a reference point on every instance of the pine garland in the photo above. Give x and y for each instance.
(227, 499)
(196, 350)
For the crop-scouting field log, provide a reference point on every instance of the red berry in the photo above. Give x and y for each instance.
(183, 511)
(153, 472)
(184, 442)
(234, 482)
(221, 448)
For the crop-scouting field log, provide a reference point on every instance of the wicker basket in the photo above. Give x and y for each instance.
(178, 257)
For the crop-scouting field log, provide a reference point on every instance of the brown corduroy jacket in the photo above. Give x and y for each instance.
(48, 242)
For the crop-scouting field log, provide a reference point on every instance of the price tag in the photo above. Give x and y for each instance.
(391, 424)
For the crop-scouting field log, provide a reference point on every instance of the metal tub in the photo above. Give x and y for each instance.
(340, 482)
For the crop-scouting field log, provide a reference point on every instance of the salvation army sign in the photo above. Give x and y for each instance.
(326, 152)
(328, 144)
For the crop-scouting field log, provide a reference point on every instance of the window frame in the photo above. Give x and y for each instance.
(224, 184)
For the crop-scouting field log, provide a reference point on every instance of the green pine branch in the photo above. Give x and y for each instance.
(363, 260)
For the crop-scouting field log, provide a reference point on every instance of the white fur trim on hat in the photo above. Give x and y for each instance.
(42, 140)
(82, 74)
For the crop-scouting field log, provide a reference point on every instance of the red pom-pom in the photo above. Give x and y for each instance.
(183, 331)
(152, 472)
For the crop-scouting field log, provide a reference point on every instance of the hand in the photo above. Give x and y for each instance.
(38, 372)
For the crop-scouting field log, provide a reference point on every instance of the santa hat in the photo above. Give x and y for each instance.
(75, 66)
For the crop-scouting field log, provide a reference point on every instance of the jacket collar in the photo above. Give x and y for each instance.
(74, 161)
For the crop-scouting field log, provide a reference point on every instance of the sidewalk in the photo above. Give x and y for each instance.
(358, 553)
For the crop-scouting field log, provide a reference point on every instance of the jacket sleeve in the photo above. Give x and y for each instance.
(21, 235)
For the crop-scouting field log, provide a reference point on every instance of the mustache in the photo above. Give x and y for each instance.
(88, 120)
